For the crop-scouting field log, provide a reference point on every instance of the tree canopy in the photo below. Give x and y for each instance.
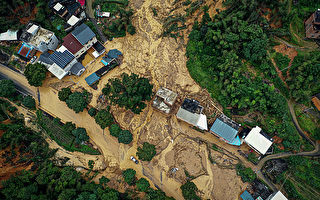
(189, 190)
(35, 74)
(147, 152)
(77, 102)
(129, 176)
(125, 137)
(80, 135)
(115, 130)
(104, 118)
(7, 88)
(64, 94)
(29, 102)
(143, 184)
(129, 92)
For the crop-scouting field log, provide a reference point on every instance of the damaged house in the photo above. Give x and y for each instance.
(164, 100)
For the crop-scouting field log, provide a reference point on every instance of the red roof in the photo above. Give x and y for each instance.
(71, 43)
(82, 2)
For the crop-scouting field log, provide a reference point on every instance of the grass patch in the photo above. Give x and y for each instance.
(305, 120)
(282, 61)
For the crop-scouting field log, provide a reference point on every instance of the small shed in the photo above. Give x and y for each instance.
(246, 196)
(114, 53)
(93, 78)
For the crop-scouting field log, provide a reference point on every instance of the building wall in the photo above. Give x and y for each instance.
(69, 66)
(86, 47)
(53, 43)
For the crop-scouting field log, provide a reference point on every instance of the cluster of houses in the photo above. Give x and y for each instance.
(223, 127)
(64, 59)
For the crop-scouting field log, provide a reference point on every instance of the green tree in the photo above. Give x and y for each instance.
(103, 181)
(115, 130)
(143, 184)
(129, 92)
(92, 112)
(131, 29)
(189, 190)
(147, 152)
(125, 137)
(64, 94)
(29, 102)
(80, 135)
(77, 102)
(35, 74)
(104, 118)
(7, 88)
(129, 176)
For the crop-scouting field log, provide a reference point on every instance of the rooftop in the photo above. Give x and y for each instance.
(226, 128)
(98, 47)
(258, 141)
(114, 53)
(83, 34)
(277, 196)
(9, 35)
(167, 95)
(73, 20)
(72, 44)
(62, 59)
(35, 35)
(246, 196)
(92, 79)
(25, 50)
(192, 106)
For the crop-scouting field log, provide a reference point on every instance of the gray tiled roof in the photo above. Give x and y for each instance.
(76, 68)
(83, 33)
(45, 58)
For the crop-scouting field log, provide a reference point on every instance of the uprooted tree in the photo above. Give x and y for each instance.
(129, 92)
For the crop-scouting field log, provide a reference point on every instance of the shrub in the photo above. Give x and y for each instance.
(147, 152)
(131, 29)
(115, 130)
(92, 112)
(12, 109)
(125, 137)
(129, 176)
(104, 118)
(64, 94)
(143, 184)
(29, 102)
(246, 173)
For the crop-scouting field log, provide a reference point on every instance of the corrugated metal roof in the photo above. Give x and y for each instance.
(224, 130)
(191, 118)
(246, 196)
(45, 58)
(92, 78)
(61, 59)
(83, 34)
(258, 141)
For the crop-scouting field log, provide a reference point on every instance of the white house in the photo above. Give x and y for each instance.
(277, 196)
(258, 141)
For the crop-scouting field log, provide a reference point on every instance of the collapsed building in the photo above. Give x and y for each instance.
(164, 100)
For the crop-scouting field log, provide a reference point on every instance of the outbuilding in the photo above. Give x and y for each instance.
(258, 140)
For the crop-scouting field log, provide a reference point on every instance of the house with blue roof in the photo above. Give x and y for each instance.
(92, 79)
(246, 196)
(61, 63)
(226, 129)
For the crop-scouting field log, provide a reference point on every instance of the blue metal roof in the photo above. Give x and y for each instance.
(114, 53)
(61, 59)
(83, 33)
(106, 60)
(92, 78)
(224, 130)
(246, 196)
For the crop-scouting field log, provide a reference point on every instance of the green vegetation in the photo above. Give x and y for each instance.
(104, 118)
(129, 92)
(281, 60)
(7, 88)
(246, 173)
(129, 176)
(253, 158)
(125, 137)
(80, 135)
(304, 76)
(76, 101)
(92, 112)
(189, 190)
(29, 102)
(147, 152)
(307, 122)
(120, 23)
(64, 94)
(115, 130)
(143, 185)
(35, 74)
(63, 134)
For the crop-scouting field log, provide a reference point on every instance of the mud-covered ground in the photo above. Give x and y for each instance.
(163, 62)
